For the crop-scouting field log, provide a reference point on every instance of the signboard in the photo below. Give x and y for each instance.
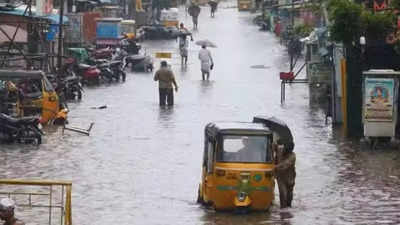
(378, 100)
(163, 55)
(51, 34)
(108, 30)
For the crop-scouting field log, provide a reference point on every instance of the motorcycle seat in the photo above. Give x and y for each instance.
(104, 65)
(84, 66)
(115, 63)
(136, 57)
(100, 61)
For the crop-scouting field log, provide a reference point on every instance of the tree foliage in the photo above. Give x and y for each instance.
(347, 23)
(351, 20)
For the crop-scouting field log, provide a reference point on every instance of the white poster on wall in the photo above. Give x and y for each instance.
(44, 7)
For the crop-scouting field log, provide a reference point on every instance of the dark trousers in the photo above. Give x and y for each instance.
(166, 95)
(285, 192)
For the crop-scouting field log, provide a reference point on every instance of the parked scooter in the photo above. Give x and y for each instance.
(22, 130)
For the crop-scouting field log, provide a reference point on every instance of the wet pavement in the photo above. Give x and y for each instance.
(142, 163)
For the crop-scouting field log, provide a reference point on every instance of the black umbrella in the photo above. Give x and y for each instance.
(278, 126)
(213, 4)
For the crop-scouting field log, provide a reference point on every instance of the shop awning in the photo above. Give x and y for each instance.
(54, 18)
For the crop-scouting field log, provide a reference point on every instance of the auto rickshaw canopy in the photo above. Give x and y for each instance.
(20, 74)
(216, 128)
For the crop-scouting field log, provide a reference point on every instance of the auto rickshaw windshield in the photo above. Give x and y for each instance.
(237, 148)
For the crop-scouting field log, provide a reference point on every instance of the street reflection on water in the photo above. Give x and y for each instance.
(142, 163)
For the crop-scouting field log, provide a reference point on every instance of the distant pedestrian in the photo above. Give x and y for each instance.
(213, 6)
(183, 50)
(166, 81)
(194, 11)
(184, 43)
(285, 172)
(7, 212)
(206, 61)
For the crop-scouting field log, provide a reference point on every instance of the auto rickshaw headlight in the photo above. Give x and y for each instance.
(242, 196)
(52, 98)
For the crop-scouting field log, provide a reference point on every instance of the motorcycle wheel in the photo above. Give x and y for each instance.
(79, 95)
(36, 134)
(39, 140)
(123, 76)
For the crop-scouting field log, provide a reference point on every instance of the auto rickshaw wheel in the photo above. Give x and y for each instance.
(199, 197)
(79, 95)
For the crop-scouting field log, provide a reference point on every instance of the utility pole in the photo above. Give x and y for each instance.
(291, 37)
(60, 35)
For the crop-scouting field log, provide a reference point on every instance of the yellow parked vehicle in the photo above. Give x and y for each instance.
(36, 95)
(238, 165)
(128, 27)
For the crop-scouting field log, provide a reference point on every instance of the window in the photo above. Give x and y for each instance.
(245, 149)
(210, 151)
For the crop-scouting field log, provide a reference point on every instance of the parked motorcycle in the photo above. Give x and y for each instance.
(88, 73)
(116, 67)
(71, 87)
(22, 130)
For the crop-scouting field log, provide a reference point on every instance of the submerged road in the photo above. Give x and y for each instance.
(142, 164)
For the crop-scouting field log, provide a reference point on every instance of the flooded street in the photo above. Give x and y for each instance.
(142, 163)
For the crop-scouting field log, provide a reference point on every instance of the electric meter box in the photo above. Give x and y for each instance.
(380, 95)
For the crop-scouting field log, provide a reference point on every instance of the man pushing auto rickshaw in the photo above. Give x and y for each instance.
(285, 172)
(285, 158)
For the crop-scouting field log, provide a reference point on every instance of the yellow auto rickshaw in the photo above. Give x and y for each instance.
(36, 95)
(128, 28)
(238, 163)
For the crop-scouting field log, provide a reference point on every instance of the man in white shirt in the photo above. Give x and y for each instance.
(206, 61)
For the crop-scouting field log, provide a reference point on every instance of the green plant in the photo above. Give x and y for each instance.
(347, 23)
(395, 4)
(377, 25)
(303, 30)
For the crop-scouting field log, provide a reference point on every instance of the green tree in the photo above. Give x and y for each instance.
(347, 22)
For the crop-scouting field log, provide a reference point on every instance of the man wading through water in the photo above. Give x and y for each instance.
(206, 62)
(285, 172)
(166, 79)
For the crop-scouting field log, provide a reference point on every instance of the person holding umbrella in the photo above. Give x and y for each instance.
(213, 5)
(194, 11)
(206, 61)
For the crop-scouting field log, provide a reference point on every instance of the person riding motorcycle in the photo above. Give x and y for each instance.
(129, 45)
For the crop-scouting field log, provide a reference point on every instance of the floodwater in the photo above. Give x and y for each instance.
(142, 163)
